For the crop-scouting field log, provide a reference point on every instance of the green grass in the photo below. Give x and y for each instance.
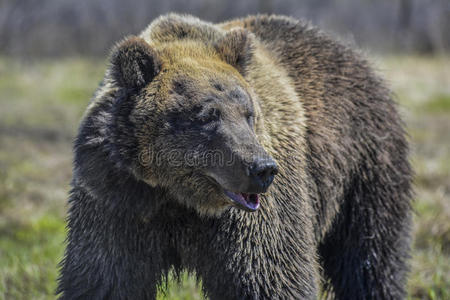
(29, 255)
(439, 104)
(41, 104)
(185, 289)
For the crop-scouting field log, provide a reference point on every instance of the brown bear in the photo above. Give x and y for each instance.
(258, 154)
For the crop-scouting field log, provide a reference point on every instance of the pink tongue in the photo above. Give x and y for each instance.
(247, 201)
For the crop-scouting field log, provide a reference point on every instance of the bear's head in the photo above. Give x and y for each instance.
(192, 119)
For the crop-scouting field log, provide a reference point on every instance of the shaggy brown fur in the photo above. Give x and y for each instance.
(336, 215)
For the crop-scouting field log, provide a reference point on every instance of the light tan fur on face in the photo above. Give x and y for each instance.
(201, 66)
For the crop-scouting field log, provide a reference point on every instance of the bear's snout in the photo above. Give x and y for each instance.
(261, 174)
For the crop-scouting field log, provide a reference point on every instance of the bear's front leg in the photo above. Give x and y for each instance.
(365, 254)
(106, 256)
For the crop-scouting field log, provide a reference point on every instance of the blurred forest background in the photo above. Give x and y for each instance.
(53, 55)
(72, 27)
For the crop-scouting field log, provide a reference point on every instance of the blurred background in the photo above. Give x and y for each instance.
(53, 55)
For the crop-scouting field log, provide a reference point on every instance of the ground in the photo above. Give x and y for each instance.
(41, 105)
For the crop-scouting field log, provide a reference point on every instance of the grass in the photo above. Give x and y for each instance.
(438, 104)
(422, 86)
(28, 253)
(41, 104)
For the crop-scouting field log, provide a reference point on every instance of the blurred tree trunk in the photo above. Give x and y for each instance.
(402, 34)
(266, 6)
(405, 12)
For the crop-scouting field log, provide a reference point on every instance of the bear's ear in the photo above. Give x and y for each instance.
(134, 63)
(236, 48)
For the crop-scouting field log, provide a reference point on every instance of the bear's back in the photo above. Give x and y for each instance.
(347, 106)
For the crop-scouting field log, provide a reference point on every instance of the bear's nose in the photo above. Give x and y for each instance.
(261, 173)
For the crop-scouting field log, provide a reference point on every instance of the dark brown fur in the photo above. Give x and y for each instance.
(337, 214)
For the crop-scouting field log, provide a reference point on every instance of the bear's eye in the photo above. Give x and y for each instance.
(250, 118)
(211, 115)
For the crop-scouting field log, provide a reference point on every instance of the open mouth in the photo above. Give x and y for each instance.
(248, 202)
